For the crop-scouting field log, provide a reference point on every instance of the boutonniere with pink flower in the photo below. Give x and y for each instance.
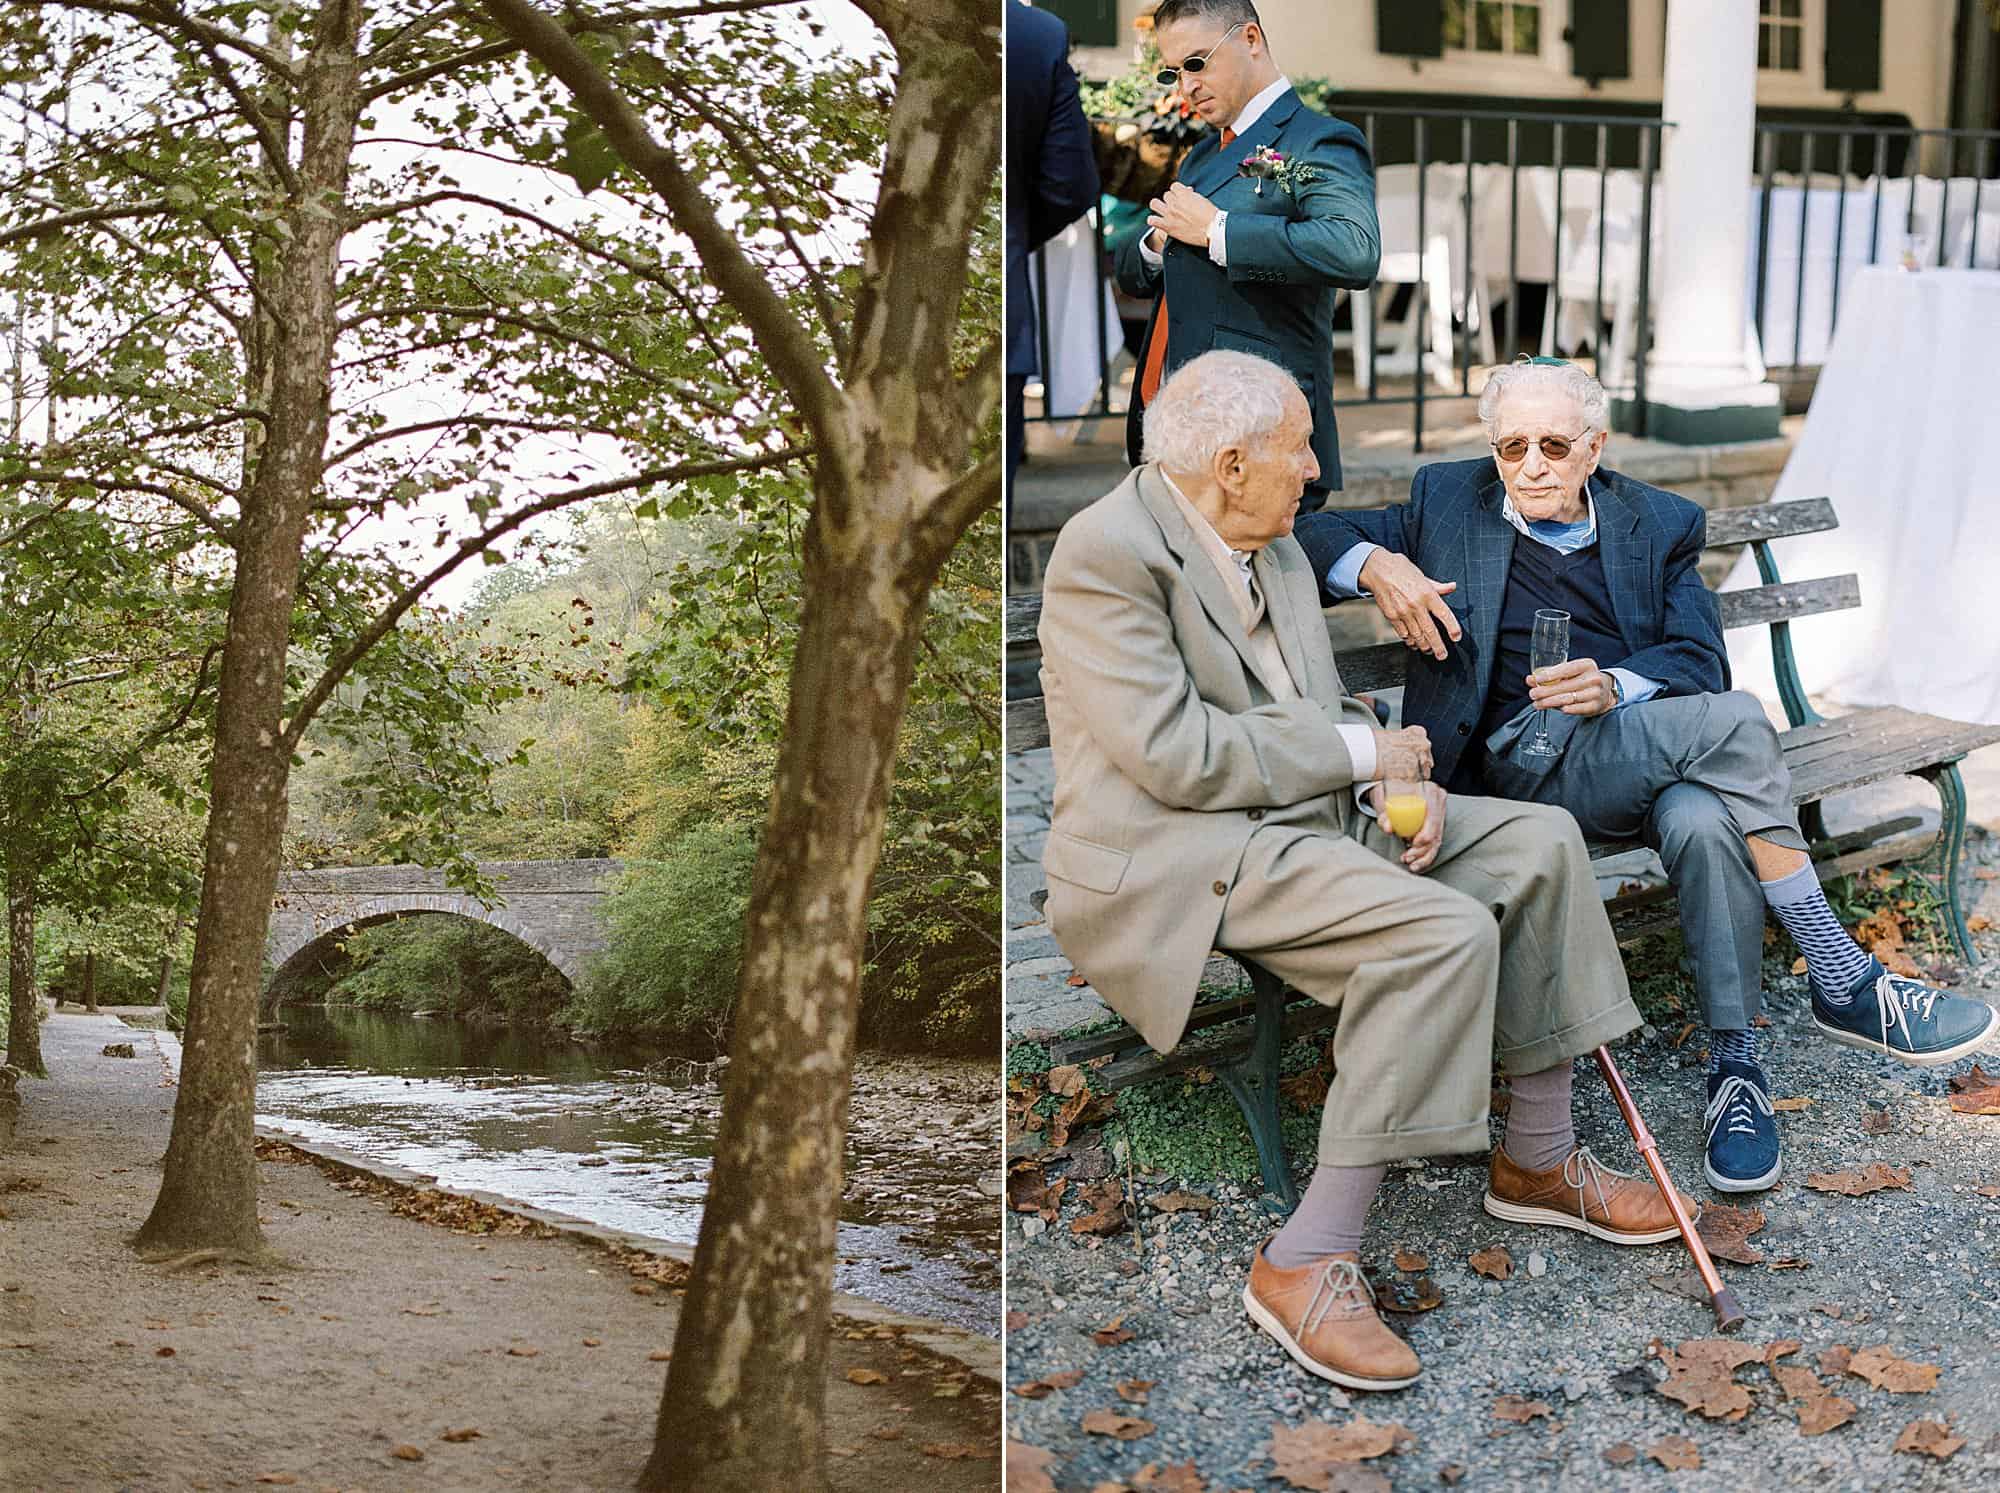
(1265, 164)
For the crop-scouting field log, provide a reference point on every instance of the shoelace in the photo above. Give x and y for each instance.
(1733, 1104)
(1896, 997)
(1591, 1172)
(1337, 1281)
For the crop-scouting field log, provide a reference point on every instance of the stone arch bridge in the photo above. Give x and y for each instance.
(555, 907)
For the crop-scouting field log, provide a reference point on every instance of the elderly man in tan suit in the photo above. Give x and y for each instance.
(1210, 777)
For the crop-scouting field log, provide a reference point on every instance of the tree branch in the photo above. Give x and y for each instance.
(179, 20)
(82, 215)
(226, 532)
(343, 663)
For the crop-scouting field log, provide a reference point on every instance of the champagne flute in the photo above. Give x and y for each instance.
(1548, 646)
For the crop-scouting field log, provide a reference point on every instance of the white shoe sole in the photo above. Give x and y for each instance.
(1263, 1318)
(1915, 1059)
(1741, 1184)
(1555, 1218)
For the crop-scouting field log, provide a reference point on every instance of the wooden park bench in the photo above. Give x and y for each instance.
(1825, 757)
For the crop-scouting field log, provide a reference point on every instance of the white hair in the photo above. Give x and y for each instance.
(1566, 379)
(1217, 400)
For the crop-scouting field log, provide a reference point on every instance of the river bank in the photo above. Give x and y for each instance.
(386, 1332)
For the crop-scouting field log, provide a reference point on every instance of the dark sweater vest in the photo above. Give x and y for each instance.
(1540, 577)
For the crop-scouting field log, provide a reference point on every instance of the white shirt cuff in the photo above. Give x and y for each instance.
(1344, 580)
(1218, 250)
(1633, 688)
(1360, 750)
(1147, 252)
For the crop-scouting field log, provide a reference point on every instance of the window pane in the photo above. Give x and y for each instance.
(1764, 45)
(1527, 30)
(1788, 49)
(1767, 7)
(1486, 35)
(1454, 22)
(1789, 8)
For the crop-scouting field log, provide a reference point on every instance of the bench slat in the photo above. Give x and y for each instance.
(1756, 606)
(1300, 1020)
(1770, 521)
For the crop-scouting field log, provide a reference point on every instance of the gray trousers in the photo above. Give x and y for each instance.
(1689, 775)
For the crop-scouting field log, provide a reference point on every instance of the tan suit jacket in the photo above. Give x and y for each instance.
(1170, 750)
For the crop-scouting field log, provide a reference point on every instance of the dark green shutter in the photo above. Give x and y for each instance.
(1092, 23)
(1853, 46)
(1600, 38)
(1409, 28)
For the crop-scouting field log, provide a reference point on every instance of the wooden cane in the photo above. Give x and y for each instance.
(1728, 1315)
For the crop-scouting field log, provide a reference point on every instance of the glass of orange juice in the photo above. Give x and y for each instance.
(1403, 799)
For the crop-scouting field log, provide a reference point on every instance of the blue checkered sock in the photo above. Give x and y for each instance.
(1833, 960)
(1736, 1043)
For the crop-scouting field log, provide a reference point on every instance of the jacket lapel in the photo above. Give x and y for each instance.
(1218, 167)
(1627, 555)
(1279, 601)
(1489, 554)
(1197, 567)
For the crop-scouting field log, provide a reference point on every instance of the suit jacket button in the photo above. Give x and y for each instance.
(1222, 889)
(1464, 729)
(1256, 813)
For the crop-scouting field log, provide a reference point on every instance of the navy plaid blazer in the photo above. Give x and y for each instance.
(1452, 527)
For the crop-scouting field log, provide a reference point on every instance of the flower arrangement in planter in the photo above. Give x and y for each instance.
(1139, 129)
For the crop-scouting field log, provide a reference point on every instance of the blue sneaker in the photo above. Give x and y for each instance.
(1742, 1130)
(1920, 1025)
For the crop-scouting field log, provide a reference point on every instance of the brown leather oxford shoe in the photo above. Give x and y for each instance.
(1324, 1316)
(1584, 1194)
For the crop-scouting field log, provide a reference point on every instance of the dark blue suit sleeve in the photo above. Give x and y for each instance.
(1066, 174)
(1691, 658)
(1335, 240)
(1326, 536)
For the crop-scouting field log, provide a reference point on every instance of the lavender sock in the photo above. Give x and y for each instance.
(1540, 1132)
(1329, 1218)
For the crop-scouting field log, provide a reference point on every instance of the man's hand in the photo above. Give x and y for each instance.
(1422, 850)
(1411, 600)
(1403, 754)
(1183, 214)
(1578, 687)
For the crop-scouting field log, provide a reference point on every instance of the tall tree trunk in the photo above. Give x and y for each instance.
(745, 1396)
(208, 1197)
(90, 982)
(24, 1017)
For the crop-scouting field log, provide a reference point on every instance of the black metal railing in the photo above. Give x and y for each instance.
(1907, 182)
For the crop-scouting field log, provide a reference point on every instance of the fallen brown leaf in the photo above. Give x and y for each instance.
(1181, 1478)
(1687, 1283)
(1016, 1321)
(1037, 1389)
(1701, 1376)
(1675, 1453)
(1976, 1093)
(1881, 1367)
(1820, 1410)
(1494, 1263)
(163, 1353)
(1835, 1359)
(1856, 1183)
(1790, 1262)
(659, 1355)
(1122, 1427)
(1309, 1456)
(1519, 1410)
(866, 1376)
(1178, 1202)
(1406, 1295)
(1452, 1474)
(1621, 1452)
(465, 1433)
(593, 1342)
(1726, 1231)
(1134, 1390)
(1412, 1261)
(407, 1453)
(1112, 1333)
(1978, 923)
(1799, 965)
(1076, 980)
(1027, 1468)
(281, 1479)
(1792, 1104)
(958, 1451)
(1931, 1438)
(1989, 1190)
(1106, 1200)
(524, 1352)
(1985, 873)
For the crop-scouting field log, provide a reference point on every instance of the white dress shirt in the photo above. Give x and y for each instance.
(1218, 248)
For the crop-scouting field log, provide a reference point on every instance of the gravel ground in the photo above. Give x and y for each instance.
(1913, 1269)
(384, 1332)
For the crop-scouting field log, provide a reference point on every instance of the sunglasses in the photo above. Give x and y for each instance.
(1168, 76)
(1554, 447)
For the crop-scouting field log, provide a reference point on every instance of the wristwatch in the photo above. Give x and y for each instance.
(1617, 690)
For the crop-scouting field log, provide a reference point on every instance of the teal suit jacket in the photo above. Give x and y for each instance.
(1288, 253)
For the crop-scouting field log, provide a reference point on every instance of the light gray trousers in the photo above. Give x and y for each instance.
(1690, 776)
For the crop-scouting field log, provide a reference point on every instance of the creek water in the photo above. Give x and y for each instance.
(571, 1129)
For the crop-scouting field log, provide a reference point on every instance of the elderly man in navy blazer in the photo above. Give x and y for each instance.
(1649, 740)
(1271, 214)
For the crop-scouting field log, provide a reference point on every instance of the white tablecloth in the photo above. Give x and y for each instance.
(1071, 380)
(1902, 437)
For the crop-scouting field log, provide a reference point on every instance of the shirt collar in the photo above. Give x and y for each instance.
(1204, 531)
(1254, 110)
(1563, 540)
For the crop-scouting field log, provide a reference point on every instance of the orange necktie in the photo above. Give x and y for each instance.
(1156, 349)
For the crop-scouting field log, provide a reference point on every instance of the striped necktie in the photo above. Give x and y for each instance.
(1156, 348)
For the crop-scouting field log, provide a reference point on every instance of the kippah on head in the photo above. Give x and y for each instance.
(1228, 12)
(1216, 400)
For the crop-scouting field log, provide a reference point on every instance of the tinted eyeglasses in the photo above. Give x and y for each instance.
(1169, 76)
(1554, 447)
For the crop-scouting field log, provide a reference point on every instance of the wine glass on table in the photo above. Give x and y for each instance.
(1548, 646)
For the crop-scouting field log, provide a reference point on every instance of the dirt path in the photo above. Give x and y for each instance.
(386, 1332)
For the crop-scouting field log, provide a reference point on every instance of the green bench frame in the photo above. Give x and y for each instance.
(1825, 756)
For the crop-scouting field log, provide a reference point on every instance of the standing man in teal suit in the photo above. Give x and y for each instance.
(1244, 261)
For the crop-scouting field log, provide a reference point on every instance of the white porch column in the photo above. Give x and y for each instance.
(1703, 383)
